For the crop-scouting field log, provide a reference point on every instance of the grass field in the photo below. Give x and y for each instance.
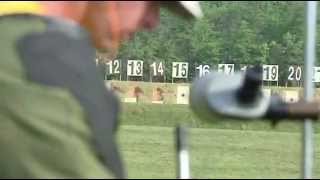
(169, 115)
(148, 152)
(218, 149)
(221, 149)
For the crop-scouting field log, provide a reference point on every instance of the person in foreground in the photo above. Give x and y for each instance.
(57, 118)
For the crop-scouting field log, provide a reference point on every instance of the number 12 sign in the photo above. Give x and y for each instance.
(113, 67)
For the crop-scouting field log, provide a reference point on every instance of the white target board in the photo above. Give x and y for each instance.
(291, 96)
(202, 70)
(113, 67)
(135, 68)
(157, 69)
(183, 94)
(227, 69)
(270, 72)
(180, 70)
(130, 100)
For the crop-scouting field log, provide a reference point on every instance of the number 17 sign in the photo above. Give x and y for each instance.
(227, 69)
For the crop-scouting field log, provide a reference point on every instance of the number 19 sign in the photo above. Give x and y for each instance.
(270, 72)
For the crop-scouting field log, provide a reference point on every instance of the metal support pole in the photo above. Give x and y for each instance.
(120, 62)
(311, 13)
(183, 166)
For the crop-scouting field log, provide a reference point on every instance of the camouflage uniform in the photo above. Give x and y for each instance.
(57, 119)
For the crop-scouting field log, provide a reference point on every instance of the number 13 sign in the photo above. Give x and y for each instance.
(135, 68)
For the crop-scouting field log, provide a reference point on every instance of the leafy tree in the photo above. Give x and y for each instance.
(239, 32)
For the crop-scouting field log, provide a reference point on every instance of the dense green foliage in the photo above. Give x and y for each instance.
(240, 32)
(252, 32)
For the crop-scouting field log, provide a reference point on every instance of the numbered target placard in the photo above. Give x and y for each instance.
(244, 67)
(294, 73)
(270, 72)
(113, 67)
(157, 69)
(202, 69)
(135, 68)
(316, 74)
(180, 69)
(227, 69)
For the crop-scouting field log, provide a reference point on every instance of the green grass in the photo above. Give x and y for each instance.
(219, 149)
(169, 115)
(148, 152)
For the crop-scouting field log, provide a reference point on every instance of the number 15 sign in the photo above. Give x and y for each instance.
(180, 69)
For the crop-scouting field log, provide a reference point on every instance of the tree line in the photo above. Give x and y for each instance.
(236, 32)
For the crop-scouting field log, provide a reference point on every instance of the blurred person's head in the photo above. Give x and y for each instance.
(108, 22)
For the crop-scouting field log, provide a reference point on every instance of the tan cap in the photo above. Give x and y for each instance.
(188, 9)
